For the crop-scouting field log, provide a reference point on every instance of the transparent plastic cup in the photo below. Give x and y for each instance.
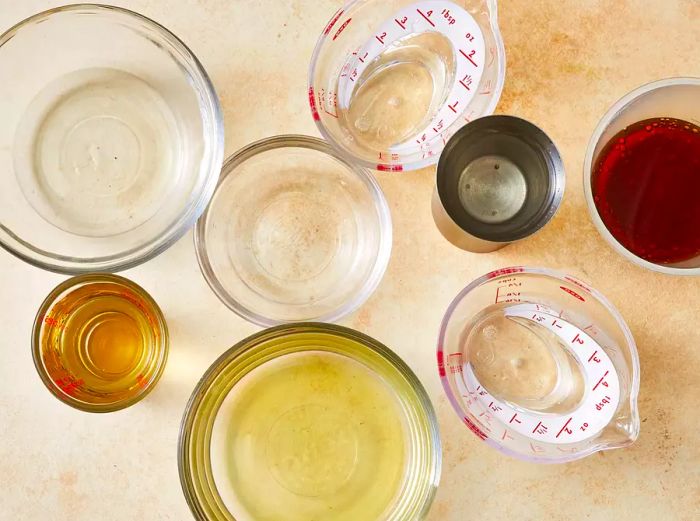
(540, 366)
(391, 82)
(670, 98)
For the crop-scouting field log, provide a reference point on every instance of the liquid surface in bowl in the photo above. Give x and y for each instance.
(401, 90)
(99, 343)
(310, 435)
(645, 187)
(95, 152)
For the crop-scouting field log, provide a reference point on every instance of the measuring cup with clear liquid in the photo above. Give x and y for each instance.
(391, 81)
(540, 366)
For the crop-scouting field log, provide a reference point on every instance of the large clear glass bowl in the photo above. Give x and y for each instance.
(111, 139)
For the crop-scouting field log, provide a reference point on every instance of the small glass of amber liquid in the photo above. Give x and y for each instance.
(99, 342)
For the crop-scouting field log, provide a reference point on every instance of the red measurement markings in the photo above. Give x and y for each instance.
(584, 426)
(594, 358)
(402, 22)
(450, 19)
(312, 104)
(487, 88)
(486, 416)
(455, 362)
(564, 428)
(504, 271)
(572, 293)
(540, 429)
(506, 435)
(363, 58)
(332, 22)
(480, 391)
(536, 449)
(601, 381)
(441, 363)
(390, 168)
(453, 107)
(50, 321)
(466, 81)
(498, 289)
(476, 430)
(430, 13)
(380, 37)
(515, 419)
(495, 408)
(554, 323)
(342, 28)
(469, 56)
(438, 127)
(577, 340)
(603, 402)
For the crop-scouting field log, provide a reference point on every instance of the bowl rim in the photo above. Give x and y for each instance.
(213, 127)
(491, 5)
(47, 304)
(285, 330)
(381, 261)
(612, 113)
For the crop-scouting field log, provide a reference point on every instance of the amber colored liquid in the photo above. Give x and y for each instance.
(101, 343)
(646, 185)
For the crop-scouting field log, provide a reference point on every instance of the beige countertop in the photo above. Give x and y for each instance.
(567, 62)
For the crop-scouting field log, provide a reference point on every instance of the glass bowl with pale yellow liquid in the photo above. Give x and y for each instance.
(112, 139)
(99, 342)
(309, 421)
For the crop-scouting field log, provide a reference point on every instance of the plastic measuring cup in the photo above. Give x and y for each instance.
(540, 366)
(391, 82)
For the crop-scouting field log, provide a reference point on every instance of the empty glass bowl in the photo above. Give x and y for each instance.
(111, 139)
(293, 232)
(309, 421)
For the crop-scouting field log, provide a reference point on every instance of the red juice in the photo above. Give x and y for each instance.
(646, 187)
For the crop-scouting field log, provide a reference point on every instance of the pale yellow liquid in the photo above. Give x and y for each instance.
(309, 436)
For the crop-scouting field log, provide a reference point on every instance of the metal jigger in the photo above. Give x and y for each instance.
(499, 180)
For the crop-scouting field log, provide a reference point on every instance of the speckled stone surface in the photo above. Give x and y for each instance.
(568, 61)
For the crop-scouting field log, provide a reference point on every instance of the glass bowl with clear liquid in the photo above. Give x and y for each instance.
(309, 421)
(112, 139)
(540, 366)
(391, 82)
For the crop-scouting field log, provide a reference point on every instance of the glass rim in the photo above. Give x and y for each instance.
(380, 204)
(254, 341)
(612, 113)
(213, 125)
(51, 299)
(423, 163)
(454, 400)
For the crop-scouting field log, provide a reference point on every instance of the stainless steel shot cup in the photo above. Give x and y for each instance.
(499, 180)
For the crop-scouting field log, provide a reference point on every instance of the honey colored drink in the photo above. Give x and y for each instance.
(100, 342)
(310, 436)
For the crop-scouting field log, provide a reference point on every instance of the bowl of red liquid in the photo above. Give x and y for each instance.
(642, 176)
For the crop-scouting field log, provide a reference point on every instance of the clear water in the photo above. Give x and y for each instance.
(522, 363)
(398, 94)
(97, 152)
